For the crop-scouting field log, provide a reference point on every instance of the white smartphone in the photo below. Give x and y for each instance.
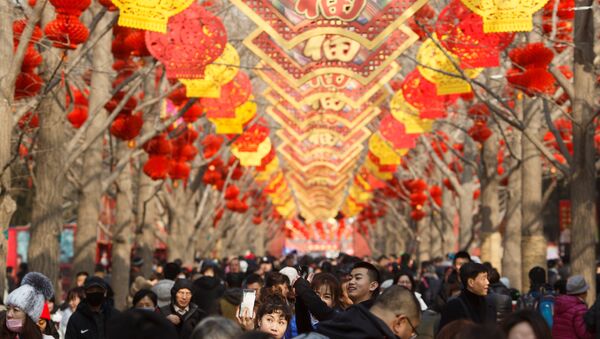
(248, 299)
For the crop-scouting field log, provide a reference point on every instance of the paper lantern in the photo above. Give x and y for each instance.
(127, 126)
(505, 16)
(421, 95)
(27, 85)
(432, 59)
(66, 31)
(159, 145)
(180, 170)
(195, 39)
(461, 33)
(394, 132)
(78, 116)
(249, 152)
(217, 74)
(412, 123)
(150, 15)
(382, 150)
(233, 94)
(157, 167)
(242, 115)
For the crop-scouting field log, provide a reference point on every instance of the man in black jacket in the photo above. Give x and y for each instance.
(471, 303)
(182, 312)
(363, 286)
(395, 314)
(93, 313)
(499, 295)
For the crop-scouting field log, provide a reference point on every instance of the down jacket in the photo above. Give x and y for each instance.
(568, 320)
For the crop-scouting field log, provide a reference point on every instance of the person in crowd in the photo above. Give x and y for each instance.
(394, 314)
(525, 324)
(93, 313)
(46, 325)
(80, 278)
(272, 317)
(163, 287)
(208, 291)
(406, 279)
(471, 303)
(62, 316)
(453, 329)
(182, 312)
(592, 318)
(540, 297)
(140, 283)
(25, 306)
(230, 301)
(569, 311)
(319, 301)
(430, 284)
(279, 283)
(265, 266)
(140, 324)
(136, 269)
(461, 258)
(499, 295)
(145, 299)
(254, 282)
(363, 286)
(216, 328)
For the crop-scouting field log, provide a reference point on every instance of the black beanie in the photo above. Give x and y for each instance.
(181, 284)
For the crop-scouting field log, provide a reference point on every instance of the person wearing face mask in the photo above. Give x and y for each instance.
(146, 300)
(93, 313)
(24, 308)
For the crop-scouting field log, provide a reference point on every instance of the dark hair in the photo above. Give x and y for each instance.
(275, 278)
(171, 271)
(561, 286)
(255, 335)
(470, 271)
(453, 329)
(74, 292)
(253, 279)
(80, 273)
(493, 276)
(99, 269)
(50, 329)
(537, 277)
(140, 324)
(216, 328)
(328, 279)
(476, 331)
(145, 293)
(462, 255)
(410, 277)
(30, 328)
(372, 271)
(273, 303)
(534, 319)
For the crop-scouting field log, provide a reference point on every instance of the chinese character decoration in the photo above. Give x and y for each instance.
(150, 15)
(505, 16)
(66, 31)
(217, 74)
(462, 34)
(195, 38)
(432, 59)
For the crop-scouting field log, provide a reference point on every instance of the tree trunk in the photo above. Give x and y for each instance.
(47, 218)
(122, 234)
(490, 203)
(7, 204)
(583, 180)
(466, 202)
(448, 207)
(181, 226)
(534, 243)
(512, 259)
(425, 233)
(88, 210)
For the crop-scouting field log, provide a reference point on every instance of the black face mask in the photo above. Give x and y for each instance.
(95, 299)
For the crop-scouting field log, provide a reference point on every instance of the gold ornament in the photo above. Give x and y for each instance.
(505, 15)
(150, 15)
(217, 74)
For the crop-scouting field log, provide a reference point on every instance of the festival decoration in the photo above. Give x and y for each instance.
(150, 15)
(66, 31)
(501, 16)
(252, 146)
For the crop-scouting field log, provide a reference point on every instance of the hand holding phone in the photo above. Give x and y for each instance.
(248, 300)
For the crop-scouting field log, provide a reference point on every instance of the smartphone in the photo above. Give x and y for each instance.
(248, 299)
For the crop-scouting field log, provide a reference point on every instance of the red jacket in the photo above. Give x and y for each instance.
(568, 318)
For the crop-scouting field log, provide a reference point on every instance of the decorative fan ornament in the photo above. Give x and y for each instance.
(150, 15)
(195, 38)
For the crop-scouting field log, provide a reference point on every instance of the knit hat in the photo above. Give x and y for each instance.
(30, 297)
(576, 285)
(163, 291)
(181, 284)
(95, 281)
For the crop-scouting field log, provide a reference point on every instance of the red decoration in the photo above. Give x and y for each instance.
(195, 38)
(66, 31)
(78, 116)
(159, 145)
(180, 170)
(422, 95)
(129, 42)
(127, 126)
(108, 4)
(417, 215)
(27, 85)
(232, 192)
(193, 113)
(480, 132)
(233, 95)
(394, 132)
(436, 194)
(157, 167)
(29, 121)
(211, 143)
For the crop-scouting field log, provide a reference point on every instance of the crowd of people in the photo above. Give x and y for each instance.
(308, 298)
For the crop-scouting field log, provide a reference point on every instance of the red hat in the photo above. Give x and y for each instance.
(46, 312)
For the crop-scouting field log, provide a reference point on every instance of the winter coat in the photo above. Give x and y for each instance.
(357, 322)
(86, 324)
(568, 320)
(307, 303)
(592, 318)
(468, 306)
(188, 321)
(500, 297)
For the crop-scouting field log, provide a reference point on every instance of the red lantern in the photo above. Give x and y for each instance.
(422, 95)
(66, 31)
(27, 85)
(417, 215)
(233, 95)
(394, 132)
(78, 116)
(157, 167)
(195, 38)
(127, 126)
(180, 170)
(159, 145)
(232, 192)
(480, 132)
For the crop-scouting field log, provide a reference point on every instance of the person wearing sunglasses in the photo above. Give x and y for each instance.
(395, 314)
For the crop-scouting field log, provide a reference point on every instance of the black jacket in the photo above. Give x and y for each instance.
(85, 324)
(188, 321)
(307, 303)
(468, 306)
(500, 297)
(592, 318)
(357, 322)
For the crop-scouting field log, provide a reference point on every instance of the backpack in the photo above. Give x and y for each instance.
(541, 301)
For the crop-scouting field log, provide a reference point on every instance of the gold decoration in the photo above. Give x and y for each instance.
(243, 114)
(383, 151)
(252, 158)
(402, 111)
(436, 64)
(150, 15)
(505, 15)
(217, 74)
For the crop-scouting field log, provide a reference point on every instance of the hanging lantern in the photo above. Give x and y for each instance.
(431, 58)
(127, 126)
(159, 145)
(180, 170)
(157, 167)
(150, 15)
(243, 114)
(382, 150)
(252, 146)
(406, 115)
(505, 16)
(217, 74)
(66, 31)
(233, 94)
(421, 95)
(393, 131)
(195, 38)
(462, 34)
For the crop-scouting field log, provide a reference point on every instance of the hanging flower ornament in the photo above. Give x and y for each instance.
(66, 31)
(217, 74)
(150, 15)
(432, 59)
(195, 38)
(505, 16)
